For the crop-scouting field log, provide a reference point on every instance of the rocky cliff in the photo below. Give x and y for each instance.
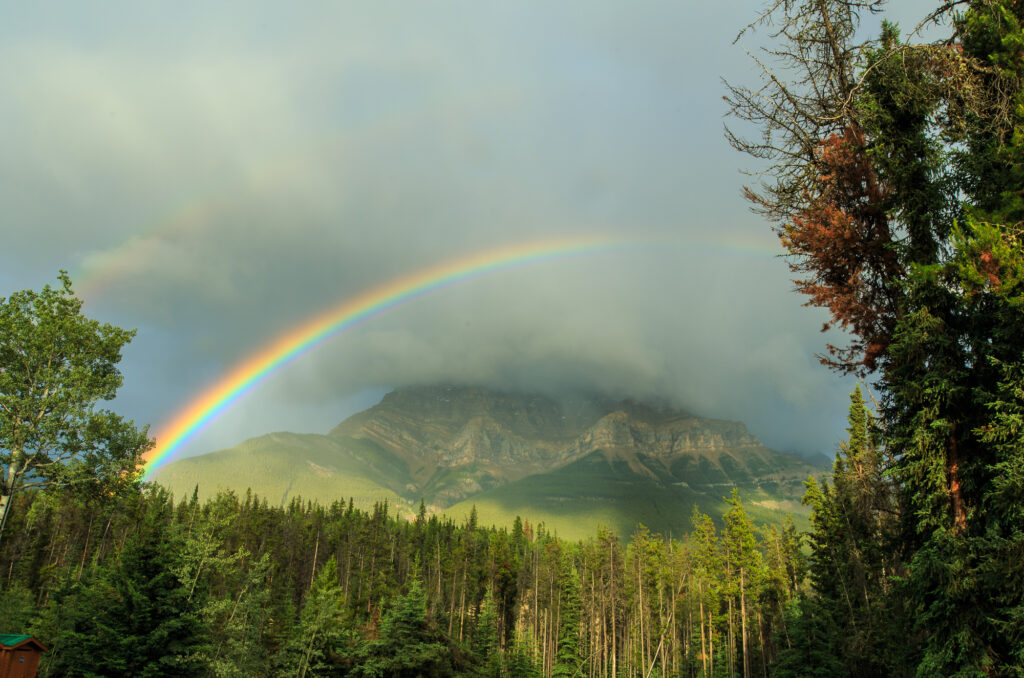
(571, 462)
(458, 441)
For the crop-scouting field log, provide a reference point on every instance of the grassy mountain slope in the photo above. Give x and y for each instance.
(573, 464)
(281, 466)
(617, 490)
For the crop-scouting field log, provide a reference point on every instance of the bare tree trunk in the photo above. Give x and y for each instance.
(462, 603)
(316, 551)
(703, 652)
(611, 560)
(743, 627)
(451, 610)
(760, 637)
(5, 508)
(640, 615)
(85, 549)
(732, 641)
(711, 645)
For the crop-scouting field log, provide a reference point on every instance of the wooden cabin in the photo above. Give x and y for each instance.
(19, 656)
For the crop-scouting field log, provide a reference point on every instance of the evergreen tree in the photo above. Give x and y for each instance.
(17, 608)
(133, 619)
(313, 641)
(521, 662)
(568, 655)
(408, 645)
(852, 556)
(906, 223)
(485, 646)
(237, 622)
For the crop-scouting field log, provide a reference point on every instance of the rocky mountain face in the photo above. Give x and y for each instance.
(458, 448)
(435, 428)
(458, 441)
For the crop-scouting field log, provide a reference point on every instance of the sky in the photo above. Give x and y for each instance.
(214, 174)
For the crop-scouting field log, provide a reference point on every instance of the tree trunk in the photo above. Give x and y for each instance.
(743, 627)
(640, 615)
(85, 549)
(462, 603)
(711, 645)
(732, 641)
(5, 507)
(760, 638)
(316, 552)
(703, 650)
(611, 561)
(955, 491)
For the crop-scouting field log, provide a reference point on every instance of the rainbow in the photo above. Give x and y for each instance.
(291, 345)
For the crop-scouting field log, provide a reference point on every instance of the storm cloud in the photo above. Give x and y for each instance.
(216, 175)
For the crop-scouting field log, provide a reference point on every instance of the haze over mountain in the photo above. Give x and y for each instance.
(217, 176)
(572, 462)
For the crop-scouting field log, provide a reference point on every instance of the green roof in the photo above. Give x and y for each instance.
(10, 639)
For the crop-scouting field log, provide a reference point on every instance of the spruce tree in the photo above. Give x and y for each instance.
(485, 645)
(568, 655)
(408, 645)
(133, 619)
(904, 220)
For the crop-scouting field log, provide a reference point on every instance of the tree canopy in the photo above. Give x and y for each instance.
(56, 365)
(896, 185)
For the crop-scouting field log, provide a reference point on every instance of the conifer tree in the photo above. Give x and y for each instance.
(568, 655)
(485, 645)
(314, 640)
(133, 619)
(408, 645)
(905, 220)
(521, 662)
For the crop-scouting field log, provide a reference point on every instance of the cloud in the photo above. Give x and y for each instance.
(216, 175)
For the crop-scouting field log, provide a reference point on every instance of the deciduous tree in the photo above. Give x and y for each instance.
(55, 366)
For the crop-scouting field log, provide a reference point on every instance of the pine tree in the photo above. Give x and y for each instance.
(17, 608)
(314, 639)
(521, 662)
(134, 619)
(485, 645)
(568, 655)
(408, 645)
(905, 220)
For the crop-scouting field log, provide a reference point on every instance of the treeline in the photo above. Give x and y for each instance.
(138, 585)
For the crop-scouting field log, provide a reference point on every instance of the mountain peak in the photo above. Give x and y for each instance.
(448, 444)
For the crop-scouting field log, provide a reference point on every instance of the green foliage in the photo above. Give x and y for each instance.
(407, 645)
(485, 646)
(132, 618)
(568, 657)
(234, 586)
(320, 628)
(17, 608)
(237, 621)
(908, 226)
(55, 366)
(813, 650)
(521, 662)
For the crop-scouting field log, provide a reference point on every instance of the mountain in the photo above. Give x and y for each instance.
(571, 462)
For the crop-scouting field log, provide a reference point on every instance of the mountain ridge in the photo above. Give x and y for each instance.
(455, 447)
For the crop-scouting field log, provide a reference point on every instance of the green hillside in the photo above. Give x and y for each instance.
(571, 464)
(605, 489)
(282, 466)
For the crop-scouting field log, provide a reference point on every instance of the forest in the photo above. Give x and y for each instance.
(140, 585)
(893, 174)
